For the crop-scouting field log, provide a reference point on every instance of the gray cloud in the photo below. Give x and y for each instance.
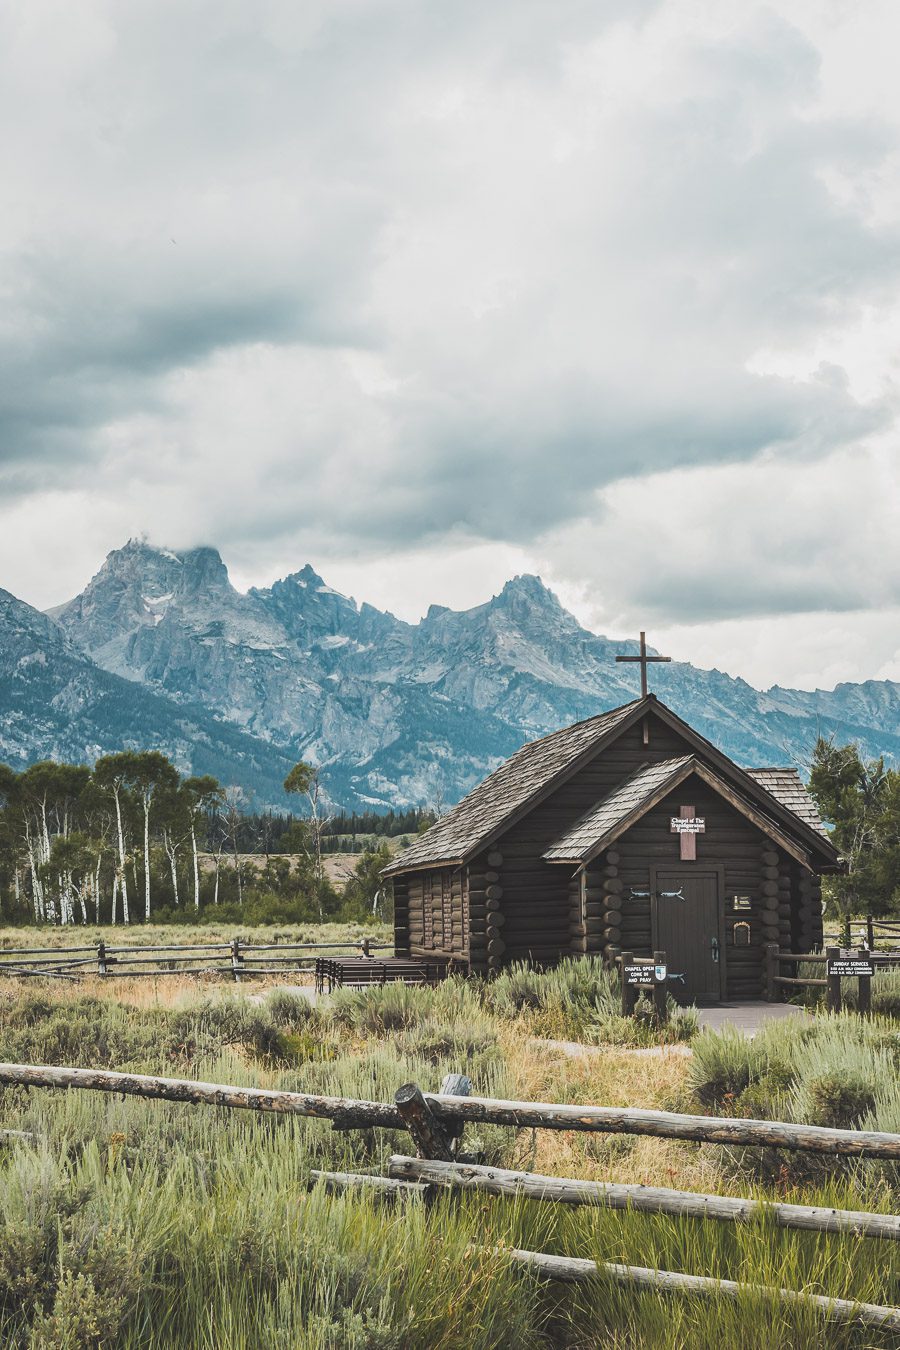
(346, 277)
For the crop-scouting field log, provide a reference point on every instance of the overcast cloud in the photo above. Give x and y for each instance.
(427, 294)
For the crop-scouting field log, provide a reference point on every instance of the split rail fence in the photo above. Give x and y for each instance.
(236, 959)
(777, 981)
(435, 1123)
(867, 932)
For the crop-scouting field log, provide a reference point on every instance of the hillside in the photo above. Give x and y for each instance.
(55, 703)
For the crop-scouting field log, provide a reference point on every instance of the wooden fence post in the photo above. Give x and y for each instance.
(101, 957)
(771, 971)
(629, 994)
(455, 1085)
(237, 959)
(834, 981)
(659, 989)
(864, 995)
(870, 932)
(428, 1133)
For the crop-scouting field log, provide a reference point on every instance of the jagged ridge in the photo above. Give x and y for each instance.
(414, 713)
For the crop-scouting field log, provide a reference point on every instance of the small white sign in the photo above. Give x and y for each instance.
(681, 826)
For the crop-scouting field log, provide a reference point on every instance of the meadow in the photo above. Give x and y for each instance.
(133, 1223)
(150, 934)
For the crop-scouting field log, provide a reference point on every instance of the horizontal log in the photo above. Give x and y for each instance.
(345, 1112)
(665, 1125)
(336, 1183)
(495, 858)
(613, 857)
(577, 1270)
(647, 1199)
(769, 857)
(787, 979)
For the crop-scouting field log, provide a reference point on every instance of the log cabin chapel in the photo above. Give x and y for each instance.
(626, 832)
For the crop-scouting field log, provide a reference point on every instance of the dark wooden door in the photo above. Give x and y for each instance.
(689, 930)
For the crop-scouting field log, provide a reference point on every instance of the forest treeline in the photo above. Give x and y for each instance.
(132, 839)
(342, 832)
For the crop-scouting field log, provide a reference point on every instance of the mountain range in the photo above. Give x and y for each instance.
(161, 650)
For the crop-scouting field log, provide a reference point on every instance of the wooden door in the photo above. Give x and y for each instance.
(688, 927)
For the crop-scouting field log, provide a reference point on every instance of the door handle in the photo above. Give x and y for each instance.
(714, 948)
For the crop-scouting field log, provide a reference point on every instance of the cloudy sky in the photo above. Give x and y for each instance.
(429, 294)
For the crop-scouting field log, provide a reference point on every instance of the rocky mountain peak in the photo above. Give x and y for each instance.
(526, 593)
(138, 585)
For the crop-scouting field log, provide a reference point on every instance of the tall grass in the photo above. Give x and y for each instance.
(580, 999)
(137, 1223)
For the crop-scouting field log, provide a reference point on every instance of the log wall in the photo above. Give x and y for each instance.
(436, 913)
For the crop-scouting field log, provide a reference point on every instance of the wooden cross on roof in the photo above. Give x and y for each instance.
(643, 659)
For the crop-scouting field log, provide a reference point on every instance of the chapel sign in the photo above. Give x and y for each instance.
(687, 825)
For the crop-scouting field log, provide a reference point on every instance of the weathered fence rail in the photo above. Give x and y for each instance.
(648, 1199)
(859, 964)
(435, 1122)
(575, 1269)
(455, 1110)
(868, 932)
(236, 959)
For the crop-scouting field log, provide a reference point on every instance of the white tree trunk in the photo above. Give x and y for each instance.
(196, 867)
(97, 888)
(172, 854)
(121, 869)
(147, 856)
(37, 889)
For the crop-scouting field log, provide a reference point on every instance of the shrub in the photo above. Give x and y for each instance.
(839, 1099)
(289, 1010)
(381, 1009)
(723, 1065)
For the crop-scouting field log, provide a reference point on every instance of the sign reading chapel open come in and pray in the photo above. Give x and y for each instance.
(643, 976)
(687, 825)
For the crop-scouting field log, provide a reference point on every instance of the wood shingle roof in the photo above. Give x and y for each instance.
(525, 775)
(787, 787)
(621, 803)
(600, 826)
